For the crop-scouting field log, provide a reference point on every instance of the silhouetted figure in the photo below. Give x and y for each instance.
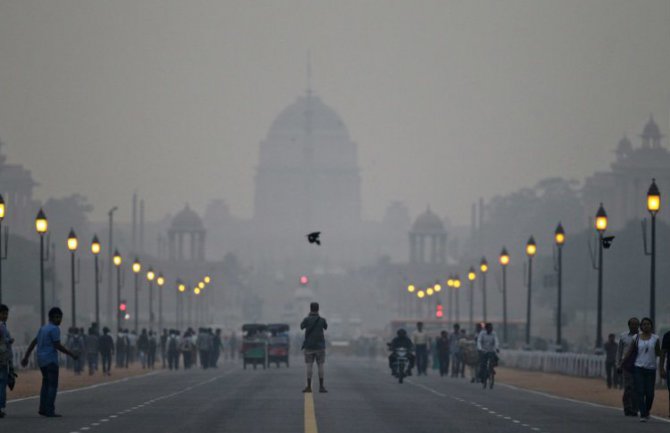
(313, 238)
(106, 345)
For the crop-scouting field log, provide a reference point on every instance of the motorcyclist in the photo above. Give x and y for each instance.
(401, 340)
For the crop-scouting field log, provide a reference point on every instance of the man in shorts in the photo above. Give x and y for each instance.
(314, 346)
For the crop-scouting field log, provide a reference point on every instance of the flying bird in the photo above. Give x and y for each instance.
(607, 241)
(313, 238)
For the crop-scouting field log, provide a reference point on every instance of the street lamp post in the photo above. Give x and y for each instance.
(484, 268)
(110, 263)
(41, 226)
(450, 285)
(2, 256)
(601, 226)
(559, 239)
(117, 260)
(95, 249)
(179, 317)
(457, 285)
(151, 275)
(160, 281)
(471, 277)
(653, 206)
(72, 245)
(137, 267)
(504, 262)
(531, 250)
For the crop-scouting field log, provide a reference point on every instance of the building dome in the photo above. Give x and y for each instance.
(308, 113)
(651, 130)
(624, 148)
(187, 220)
(428, 222)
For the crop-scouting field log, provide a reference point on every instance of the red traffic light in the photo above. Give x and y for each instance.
(438, 311)
(122, 306)
(304, 280)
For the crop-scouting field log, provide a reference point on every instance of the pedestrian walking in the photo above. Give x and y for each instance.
(6, 358)
(646, 347)
(173, 350)
(443, 353)
(106, 346)
(92, 349)
(164, 338)
(420, 340)
(217, 346)
(143, 347)
(48, 343)
(611, 347)
(455, 350)
(152, 350)
(121, 349)
(314, 345)
(665, 363)
(626, 339)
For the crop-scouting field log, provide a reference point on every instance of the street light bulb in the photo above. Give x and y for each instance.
(559, 235)
(457, 283)
(72, 241)
(504, 257)
(137, 266)
(208, 279)
(411, 288)
(182, 288)
(201, 285)
(41, 223)
(160, 280)
(471, 275)
(196, 290)
(531, 247)
(420, 294)
(117, 259)
(430, 291)
(601, 219)
(450, 282)
(437, 287)
(653, 198)
(95, 245)
(151, 274)
(484, 265)
(2, 208)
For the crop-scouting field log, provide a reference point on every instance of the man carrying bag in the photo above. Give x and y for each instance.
(314, 346)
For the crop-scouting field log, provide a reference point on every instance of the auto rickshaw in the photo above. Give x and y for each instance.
(254, 345)
(278, 344)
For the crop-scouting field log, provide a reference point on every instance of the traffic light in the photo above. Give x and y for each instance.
(438, 311)
(304, 280)
(123, 306)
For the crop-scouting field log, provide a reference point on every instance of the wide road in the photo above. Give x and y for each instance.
(363, 397)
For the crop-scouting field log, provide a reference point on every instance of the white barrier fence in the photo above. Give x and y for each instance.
(570, 364)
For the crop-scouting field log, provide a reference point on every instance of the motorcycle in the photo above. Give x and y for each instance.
(401, 363)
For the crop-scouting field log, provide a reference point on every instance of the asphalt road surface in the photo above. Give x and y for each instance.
(363, 397)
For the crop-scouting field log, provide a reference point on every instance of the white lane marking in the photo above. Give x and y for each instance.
(95, 424)
(86, 388)
(572, 400)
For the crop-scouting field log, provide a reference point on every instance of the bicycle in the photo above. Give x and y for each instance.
(488, 371)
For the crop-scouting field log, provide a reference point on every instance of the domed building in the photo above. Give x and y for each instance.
(187, 226)
(307, 176)
(428, 239)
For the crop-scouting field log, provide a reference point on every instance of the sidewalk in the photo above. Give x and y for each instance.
(29, 381)
(578, 388)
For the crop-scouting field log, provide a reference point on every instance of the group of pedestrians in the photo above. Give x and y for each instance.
(636, 361)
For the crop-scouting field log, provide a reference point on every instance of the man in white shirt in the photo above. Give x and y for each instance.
(420, 340)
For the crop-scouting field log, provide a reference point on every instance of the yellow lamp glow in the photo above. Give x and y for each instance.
(95, 245)
(117, 259)
(420, 294)
(437, 287)
(182, 287)
(457, 283)
(484, 265)
(151, 274)
(450, 282)
(208, 279)
(72, 241)
(201, 285)
(137, 266)
(160, 280)
(2, 208)
(196, 290)
(504, 257)
(531, 247)
(41, 222)
(411, 288)
(559, 235)
(653, 198)
(601, 219)
(471, 274)
(430, 291)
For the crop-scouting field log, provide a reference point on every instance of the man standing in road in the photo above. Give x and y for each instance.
(611, 348)
(48, 342)
(420, 340)
(664, 363)
(314, 346)
(626, 339)
(6, 357)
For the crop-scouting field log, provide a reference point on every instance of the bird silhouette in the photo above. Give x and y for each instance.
(313, 238)
(607, 241)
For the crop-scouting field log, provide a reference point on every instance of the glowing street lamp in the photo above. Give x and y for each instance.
(504, 262)
(41, 226)
(208, 279)
(421, 294)
(117, 260)
(411, 288)
(531, 250)
(72, 245)
(430, 291)
(653, 206)
(559, 240)
(483, 268)
(151, 275)
(601, 226)
(137, 268)
(95, 249)
(3, 256)
(160, 281)
(472, 276)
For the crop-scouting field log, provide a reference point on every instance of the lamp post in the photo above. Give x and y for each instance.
(472, 276)
(457, 285)
(137, 267)
(531, 250)
(653, 206)
(72, 245)
(484, 268)
(117, 260)
(504, 262)
(41, 226)
(181, 288)
(601, 226)
(110, 263)
(559, 239)
(160, 281)
(2, 217)
(95, 249)
(450, 285)
(151, 275)
(197, 291)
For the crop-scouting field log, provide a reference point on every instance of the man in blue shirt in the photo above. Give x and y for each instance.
(6, 365)
(48, 342)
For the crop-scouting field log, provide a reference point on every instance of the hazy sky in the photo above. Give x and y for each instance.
(447, 100)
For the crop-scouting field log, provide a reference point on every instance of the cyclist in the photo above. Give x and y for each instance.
(487, 345)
